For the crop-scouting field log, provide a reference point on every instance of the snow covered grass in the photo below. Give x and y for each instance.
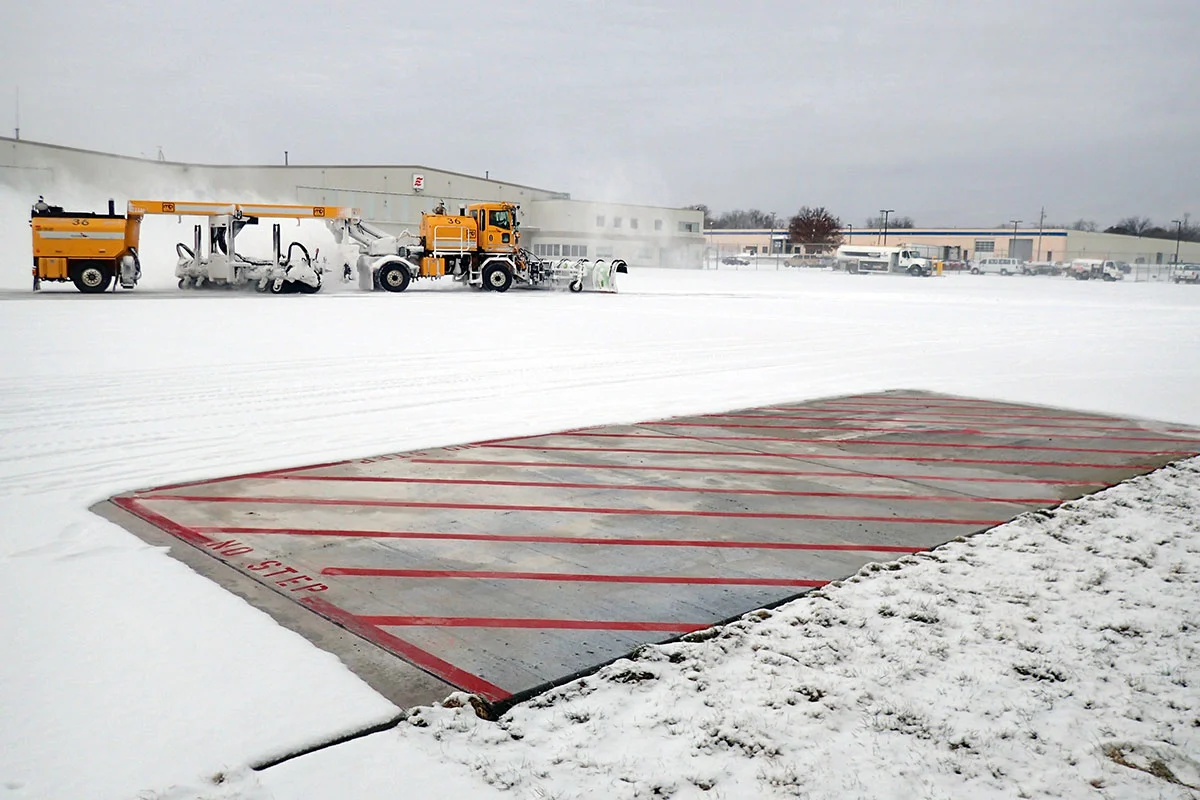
(127, 673)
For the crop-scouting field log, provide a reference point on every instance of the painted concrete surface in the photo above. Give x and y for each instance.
(505, 567)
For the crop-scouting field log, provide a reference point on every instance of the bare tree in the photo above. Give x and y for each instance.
(752, 219)
(892, 222)
(1131, 226)
(1086, 225)
(815, 227)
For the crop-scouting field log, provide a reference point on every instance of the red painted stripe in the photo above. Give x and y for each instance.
(636, 512)
(168, 525)
(372, 572)
(996, 413)
(787, 472)
(975, 423)
(874, 442)
(625, 487)
(542, 624)
(367, 629)
(876, 429)
(573, 540)
(821, 457)
(839, 428)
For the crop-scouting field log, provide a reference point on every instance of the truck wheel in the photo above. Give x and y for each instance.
(91, 278)
(852, 268)
(915, 271)
(974, 270)
(394, 277)
(497, 278)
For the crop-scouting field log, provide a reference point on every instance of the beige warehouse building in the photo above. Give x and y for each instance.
(950, 244)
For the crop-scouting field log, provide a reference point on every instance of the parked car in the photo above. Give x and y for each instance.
(997, 266)
(955, 266)
(736, 261)
(1041, 268)
(1186, 273)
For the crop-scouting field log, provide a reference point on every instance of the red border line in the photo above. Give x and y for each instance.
(541, 624)
(820, 456)
(570, 540)
(875, 442)
(265, 474)
(168, 525)
(635, 512)
(367, 629)
(976, 423)
(625, 487)
(375, 572)
(427, 661)
(787, 472)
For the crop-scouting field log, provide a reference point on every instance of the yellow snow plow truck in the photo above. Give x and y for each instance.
(479, 246)
(86, 248)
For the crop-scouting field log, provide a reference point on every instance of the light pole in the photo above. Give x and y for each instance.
(1013, 244)
(1178, 234)
(850, 235)
(886, 212)
(771, 240)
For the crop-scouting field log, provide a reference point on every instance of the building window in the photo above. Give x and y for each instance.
(688, 227)
(985, 246)
(600, 221)
(616, 222)
(1049, 255)
(658, 224)
(633, 223)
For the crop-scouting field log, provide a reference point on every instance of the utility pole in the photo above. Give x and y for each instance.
(771, 240)
(850, 235)
(1013, 245)
(886, 213)
(17, 130)
(1041, 222)
(285, 158)
(1178, 234)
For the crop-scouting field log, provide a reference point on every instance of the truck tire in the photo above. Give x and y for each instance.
(852, 267)
(394, 277)
(916, 271)
(91, 277)
(497, 277)
(974, 270)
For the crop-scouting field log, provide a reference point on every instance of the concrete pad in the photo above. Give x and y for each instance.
(505, 567)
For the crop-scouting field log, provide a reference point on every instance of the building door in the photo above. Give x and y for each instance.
(1021, 249)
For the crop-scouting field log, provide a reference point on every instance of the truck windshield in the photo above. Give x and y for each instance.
(499, 219)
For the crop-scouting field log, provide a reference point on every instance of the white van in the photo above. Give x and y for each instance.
(997, 266)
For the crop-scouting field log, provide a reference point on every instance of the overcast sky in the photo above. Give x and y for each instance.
(954, 113)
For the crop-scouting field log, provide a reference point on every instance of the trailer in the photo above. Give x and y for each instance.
(479, 247)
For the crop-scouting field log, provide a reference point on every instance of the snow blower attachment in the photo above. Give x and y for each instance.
(287, 271)
(480, 246)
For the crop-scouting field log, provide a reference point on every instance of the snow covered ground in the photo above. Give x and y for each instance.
(1031, 659)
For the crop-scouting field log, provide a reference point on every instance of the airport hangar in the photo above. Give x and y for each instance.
(390, 196)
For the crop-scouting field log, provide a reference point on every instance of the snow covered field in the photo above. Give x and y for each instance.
(1029, 660)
